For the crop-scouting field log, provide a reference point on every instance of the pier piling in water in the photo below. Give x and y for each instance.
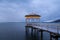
(41, 35)
(54, 36)
(35, 33)
(32, 20)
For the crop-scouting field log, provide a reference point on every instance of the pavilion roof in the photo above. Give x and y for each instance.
(32, 15)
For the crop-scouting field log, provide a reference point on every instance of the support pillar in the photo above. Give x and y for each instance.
(56, 38)
(37, 34)
(50, 36)
(27, 32)
(41, 35)
(31, 33)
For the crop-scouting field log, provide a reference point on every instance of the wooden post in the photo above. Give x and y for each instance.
(41, 35)
(34, 31)
(31, 30)
(50, 36)
(27, 29)
(34, 34)
(37, 34)
(31, 33)
(27, 32)
(53, 36)
(56, 38)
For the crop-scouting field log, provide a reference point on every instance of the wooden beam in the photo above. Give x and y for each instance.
(41, 35)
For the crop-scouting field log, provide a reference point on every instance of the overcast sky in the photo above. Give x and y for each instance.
(15, 10)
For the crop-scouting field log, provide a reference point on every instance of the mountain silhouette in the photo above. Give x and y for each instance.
(57, 20)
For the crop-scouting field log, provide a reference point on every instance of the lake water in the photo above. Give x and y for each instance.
(15, 31)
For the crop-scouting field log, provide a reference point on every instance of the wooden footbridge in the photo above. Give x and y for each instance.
(33, 23)
(52, 28)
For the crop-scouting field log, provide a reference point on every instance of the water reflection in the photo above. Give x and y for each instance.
(33, 35)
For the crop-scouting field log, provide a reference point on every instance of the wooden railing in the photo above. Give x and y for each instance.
(55, 26)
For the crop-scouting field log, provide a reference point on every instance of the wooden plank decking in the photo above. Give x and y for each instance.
(53, 29)
(50, 28)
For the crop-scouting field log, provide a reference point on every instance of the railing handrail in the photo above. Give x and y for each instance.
(56, 26)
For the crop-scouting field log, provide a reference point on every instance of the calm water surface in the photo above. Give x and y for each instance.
(15, 31)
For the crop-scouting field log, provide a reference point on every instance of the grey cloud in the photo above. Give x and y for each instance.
(46, 8)
(15, 10)
(11, 12)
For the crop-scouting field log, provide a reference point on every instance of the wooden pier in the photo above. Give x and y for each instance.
(36, 28)
(33, 23)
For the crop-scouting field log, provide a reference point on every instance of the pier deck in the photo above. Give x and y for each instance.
(53, 29)
(49, 27)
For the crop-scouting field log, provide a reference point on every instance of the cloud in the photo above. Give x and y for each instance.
(46, 8)
(12, 12)
(15, 10)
